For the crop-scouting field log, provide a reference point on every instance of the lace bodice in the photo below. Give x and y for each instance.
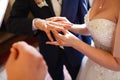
(102, 32)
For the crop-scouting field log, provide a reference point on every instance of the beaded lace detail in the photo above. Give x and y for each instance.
(102, 33)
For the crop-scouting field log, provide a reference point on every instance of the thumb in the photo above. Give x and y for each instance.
(13, 54)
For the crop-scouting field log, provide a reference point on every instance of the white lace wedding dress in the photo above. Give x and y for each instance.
(102, 32)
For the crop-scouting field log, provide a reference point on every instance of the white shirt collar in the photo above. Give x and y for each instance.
(57, 6)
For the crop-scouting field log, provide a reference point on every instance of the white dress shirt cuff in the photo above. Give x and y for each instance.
(33, 26)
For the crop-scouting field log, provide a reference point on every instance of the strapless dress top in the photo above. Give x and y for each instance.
(102, 31)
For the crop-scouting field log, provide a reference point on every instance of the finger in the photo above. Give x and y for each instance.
(67, 25)
(59, 38)
(56, 24)
(13, 54)
(27, 49)
(61, 24)
(55, 33)
(53, 43)
(49, 19)
(63, 32)
(55, 19)
(49, 35)
(59, 35)
(52, 26)
(60, 19)
(19, 45)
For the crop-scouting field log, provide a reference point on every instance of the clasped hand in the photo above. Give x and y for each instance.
(25, 63)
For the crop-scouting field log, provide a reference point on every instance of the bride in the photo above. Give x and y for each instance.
(102, 22)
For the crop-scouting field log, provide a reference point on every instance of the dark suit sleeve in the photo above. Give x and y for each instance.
(18, 23)
(82, 10)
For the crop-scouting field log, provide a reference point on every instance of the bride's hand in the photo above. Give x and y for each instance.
(62, 20)
(65, 39)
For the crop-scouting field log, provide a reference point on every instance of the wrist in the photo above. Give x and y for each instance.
(39, 23)
(33, 25)
(36, 21)
(76, 42)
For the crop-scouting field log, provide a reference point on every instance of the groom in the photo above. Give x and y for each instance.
(55, 57)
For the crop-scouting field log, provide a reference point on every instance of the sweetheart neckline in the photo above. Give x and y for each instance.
(98, 18)
(102, 19)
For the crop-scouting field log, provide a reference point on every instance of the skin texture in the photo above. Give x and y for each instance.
(25, 63)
